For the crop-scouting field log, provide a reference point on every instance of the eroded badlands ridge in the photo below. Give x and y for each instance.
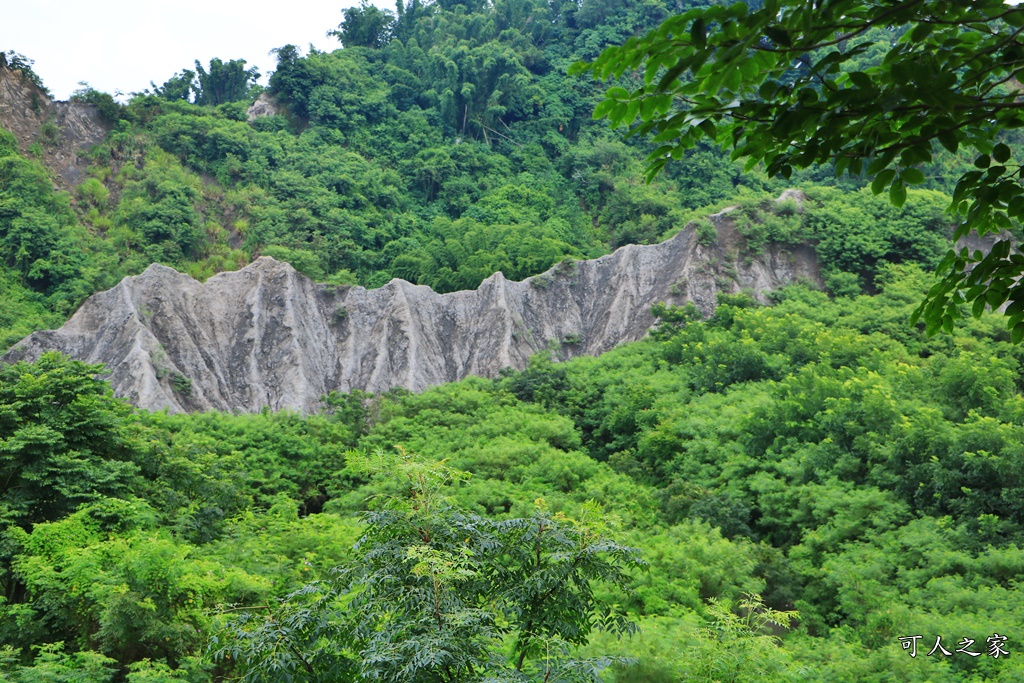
(269, 336)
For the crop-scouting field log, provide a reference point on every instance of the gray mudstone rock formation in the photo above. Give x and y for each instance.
(263, 106)
(267, 335)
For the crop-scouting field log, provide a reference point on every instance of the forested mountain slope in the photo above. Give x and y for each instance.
(807, 477)
(447, 148)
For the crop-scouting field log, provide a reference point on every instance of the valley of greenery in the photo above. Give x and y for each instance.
(772, 494)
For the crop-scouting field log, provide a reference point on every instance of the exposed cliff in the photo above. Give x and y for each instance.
(63, 129)
(269, 336)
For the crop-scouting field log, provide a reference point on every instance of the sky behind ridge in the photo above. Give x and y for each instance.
(124, 44)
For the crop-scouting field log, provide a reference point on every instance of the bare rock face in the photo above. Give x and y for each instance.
(264, 105)
(269, 336)
(64, 129)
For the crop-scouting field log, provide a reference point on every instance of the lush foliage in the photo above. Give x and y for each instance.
(62, 441)
(48, 261)
(770, 494)
(434, 591)
(442, 144)
(818, 457)
(223, 82)
(869, 87)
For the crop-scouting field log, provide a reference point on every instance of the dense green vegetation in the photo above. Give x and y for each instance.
(818, 455)
(774, 493)
(55, 250)
(439, 146)
(786, 83)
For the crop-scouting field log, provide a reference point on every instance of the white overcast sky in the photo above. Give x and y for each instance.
(125, 44)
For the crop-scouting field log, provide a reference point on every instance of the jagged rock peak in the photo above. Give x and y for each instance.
(267, 335)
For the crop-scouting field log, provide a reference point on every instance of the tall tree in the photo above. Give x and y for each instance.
(225, 81)
(365, 26)
(63, 439)
(177, 87)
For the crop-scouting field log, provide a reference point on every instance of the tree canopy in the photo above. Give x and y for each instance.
(806, 482)
(875, 89)
(434, 590)
(61, 441)
(365, 26)
(223, 82)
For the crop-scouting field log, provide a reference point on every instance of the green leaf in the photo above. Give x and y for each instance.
(778, 35)
(920, 32)
(983, 161)
(749, 69)
(708, 127)
(913, 176)
(1017, 333)
(1016, 207)
(602, 109)
(1001, 153)
(1016, 308)
(898, 193)
(617, 93)
(946, 261)
(974, 292)
(617, 113)
(667, 135)
(979, 307)
(861, 80)
(631, 111)
(579, 67)
(948, 140)
(917, 154)
(995, 298)
(698, 33)
(881, 162)
(881, 180)
(647, 108)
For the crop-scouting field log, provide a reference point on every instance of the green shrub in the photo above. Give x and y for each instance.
(49, 134)
(94, 192)
(843, 284)
(707, 233)
(181, 384)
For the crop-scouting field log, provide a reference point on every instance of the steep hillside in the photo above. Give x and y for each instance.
(267, 335)
(61, 130)
(411, 410)
(457, 148)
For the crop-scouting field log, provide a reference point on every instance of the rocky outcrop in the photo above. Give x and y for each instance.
(267, 335)
(64, 130)
(265, 105)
